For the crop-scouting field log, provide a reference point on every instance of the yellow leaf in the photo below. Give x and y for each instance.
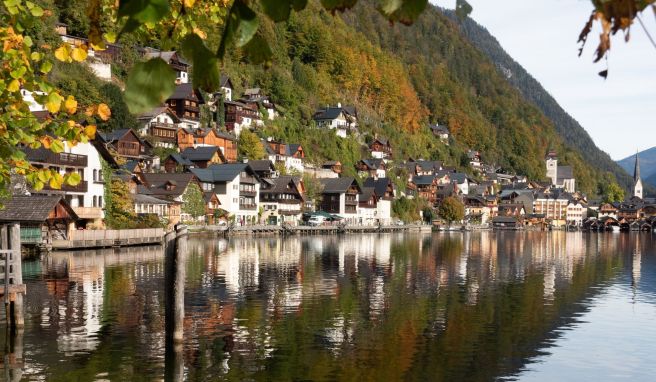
(63, 53)
(56, 181)
(46, 141)
(91, 110)
(14, 86)
(110, 37)
(80, 53)
(103, 112)
(90, 131)
(70, 105)
(53, 102)
(189, 3)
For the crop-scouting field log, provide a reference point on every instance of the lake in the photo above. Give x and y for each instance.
(481, 306)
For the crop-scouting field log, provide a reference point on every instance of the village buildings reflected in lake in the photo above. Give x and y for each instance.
(475, 306)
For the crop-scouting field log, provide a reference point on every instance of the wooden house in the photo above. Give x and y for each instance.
(185, 103)
(209, 137)
(42, 218)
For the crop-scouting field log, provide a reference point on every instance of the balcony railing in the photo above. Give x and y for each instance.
(81, 187)
(64, 159)
(247, 206)
(247, 193)
(247, 179)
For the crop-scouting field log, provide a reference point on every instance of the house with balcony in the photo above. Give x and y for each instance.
(169, 187)
(367, 206)
(474, 159)
(257, 98)
(226, 87)
(282, 200)
(381, 148)
(240, 115)
(237, 186)
(150, 205)
(340, 196)
(374, 168)
(425, 187)
(161, 124)
(263, 168)
(553, 204)
(227, 143)
(290, 155)
(338, 118)
(126, 144)
(185, 103)
(85, 198)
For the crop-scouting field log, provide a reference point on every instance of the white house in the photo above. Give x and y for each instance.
(577, 211)
(282, 200)
(86, 198)
(341, 119)
(340, 196)
(290, 155)
(237, 187)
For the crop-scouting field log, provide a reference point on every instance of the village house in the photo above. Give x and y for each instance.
(553, 205)
(150, 205)
(214, 214)
(607, 209)
(577, 211)
(177, 163)
(226, 87)
(209, 137)
(185, 103)
(179, 65)
(381, 149)
(461, 180)
(560, 176)
(630, 210)
(42, 218)
(237, 187)
(374, 168)
(282, 200)
(477, 209)
(441, 132)
(511, 209)
(340, 196)
(290, 155)
(129, 146)
(338, 118)
(474, 159)
(426, 187)
(384, 191)
(367, 206)
(240, 115)
(161, 124)
(203, 156)
(524, 196)
(87, 197)
(422, 167)
(257, 98)
(170, 187)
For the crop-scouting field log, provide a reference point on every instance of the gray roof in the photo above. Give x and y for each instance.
(458, 177)
(114, 135)
(200, 153)
(423, 179)
(181, 160)
(367, 193)
(439, 129)
(279, 185)
(157, 111)
(147, 199)
(372, 164)
(332, 112)
(32, 208)
(157, 183)
(336, 185)
(379, 185)
(565, 172)
(261, 165)
(221, 172)
(185, 91)
(225, 82)
(252, 91)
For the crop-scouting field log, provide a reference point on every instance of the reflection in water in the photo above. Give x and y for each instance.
(479, 306)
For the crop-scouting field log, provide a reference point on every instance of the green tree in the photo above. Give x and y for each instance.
(451, 209)
(427, 213)
(313, 189)
(119, 208)
(609, 190)
(250, 146)
(193, 202)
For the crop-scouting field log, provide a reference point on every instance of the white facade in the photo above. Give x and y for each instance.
(552, 170)
(231, 200)
(28, 97)
(576, 213)
(165, 118)
(290, 163)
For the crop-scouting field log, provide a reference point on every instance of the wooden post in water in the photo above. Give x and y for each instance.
(17, 313)
(176, 255)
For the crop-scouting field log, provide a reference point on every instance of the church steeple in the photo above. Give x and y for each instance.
(636, 170)
(637, 182)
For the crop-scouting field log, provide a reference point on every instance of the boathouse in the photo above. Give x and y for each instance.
(42, 218)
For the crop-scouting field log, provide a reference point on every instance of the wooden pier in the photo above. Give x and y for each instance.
(308, 230)
(110, 238)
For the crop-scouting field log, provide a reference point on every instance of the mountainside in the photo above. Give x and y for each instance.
(401, 79)
(567, 127)
(647, 165)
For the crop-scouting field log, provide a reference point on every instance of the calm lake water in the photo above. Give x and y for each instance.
(427, 307)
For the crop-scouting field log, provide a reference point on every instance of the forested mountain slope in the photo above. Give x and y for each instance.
(647, 165)
(567, 127)
(401, 79)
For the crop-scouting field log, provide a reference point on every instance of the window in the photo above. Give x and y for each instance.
(95, 179)
(100, 202)
(95, 201)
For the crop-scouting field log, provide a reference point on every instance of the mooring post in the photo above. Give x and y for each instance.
(176, 255)
(16, 261)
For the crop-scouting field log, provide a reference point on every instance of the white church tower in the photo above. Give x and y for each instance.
(637, 182)
(552, 167)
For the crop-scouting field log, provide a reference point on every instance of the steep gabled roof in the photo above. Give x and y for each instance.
(225, 82)
(186, 91)
(157, 183)
(439, 129)
(179, 159)
(337, 185)
(380, 185)
(261, 165)
(423, 180)
(157, 111)
(201, 153)
(565, 172)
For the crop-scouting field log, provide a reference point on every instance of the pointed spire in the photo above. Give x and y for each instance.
(636, 170)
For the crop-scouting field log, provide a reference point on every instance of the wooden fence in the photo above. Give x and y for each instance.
(110, 238)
